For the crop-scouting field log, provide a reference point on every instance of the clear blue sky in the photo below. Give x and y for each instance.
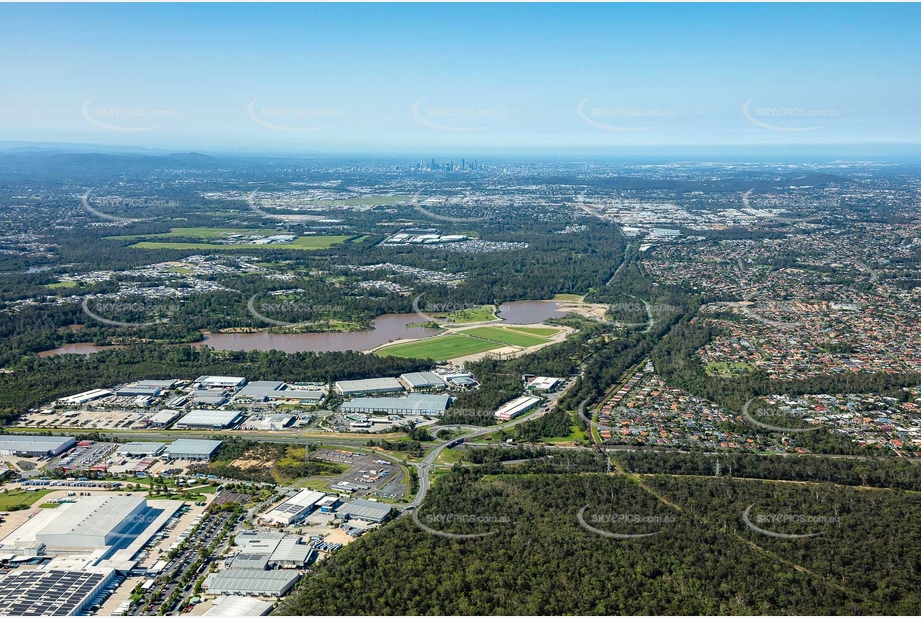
(452, 77)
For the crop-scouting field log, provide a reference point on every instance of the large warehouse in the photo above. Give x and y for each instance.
(516, 407)
(94, 522)
(414, 404)
(141, 449)
(163, 418)
(280, 550)
(198, 450)
(371, 385)
(220, 381)
(422, 380)
(208, 419)
(249, 582)
(364, 510)
(35, 446)
(262, 390)
(295, 508)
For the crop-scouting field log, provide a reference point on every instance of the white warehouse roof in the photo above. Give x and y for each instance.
(423, 379)
(239, 606)
(185, 448)
(209, 418)
(294, 507)
(371, 385)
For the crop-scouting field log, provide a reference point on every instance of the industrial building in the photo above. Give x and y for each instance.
(198, 450)
(86, 397)
(414, 404)
(161, 384)
(52, 592)
(371, 385)
(249, 582)
(364, 510)
(139, 390)
(35, 446)
(220, 382)
(516, 407)
(94, 522)
(279, 550)
(163, 418)
(270, 422)
(294, 509)
(208, 419)
(422, 380)
(544, 384)
(205, 397)
(461, 380)
(263, 391)
(141, 449)
(239, 606)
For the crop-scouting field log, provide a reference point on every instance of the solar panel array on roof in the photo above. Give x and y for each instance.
(47, 593)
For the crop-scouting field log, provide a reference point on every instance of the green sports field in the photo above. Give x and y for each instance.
(540, 331)
(440, 348)
(506, 336)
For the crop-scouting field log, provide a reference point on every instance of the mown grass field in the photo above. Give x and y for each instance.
(540, 331)
(440, 348)
(9, 500)
(506, 336)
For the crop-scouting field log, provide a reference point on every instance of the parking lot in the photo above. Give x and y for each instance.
(127, 418)
(368, 475)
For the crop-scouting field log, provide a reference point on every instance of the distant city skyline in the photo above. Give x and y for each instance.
(461, 79)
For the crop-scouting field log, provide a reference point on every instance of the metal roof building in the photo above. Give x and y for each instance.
(141, 449)
(270, 422)
(371, 385)
(414, 404)
(94, 522)
(139, 390)
(516, 407)
(422, 380)
(543, 383)
(294, 508)
(163, 417)
(35, 446)
(220, 381)
(209, 398)
(365, 510)
(239, 606)
(259, 390)
(86, 397)
(258, 562)
(164, 384)
(50, 593)
(247, 582)
(185, 448)
(208, 419)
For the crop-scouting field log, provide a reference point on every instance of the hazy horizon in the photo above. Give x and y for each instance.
(583, 80)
